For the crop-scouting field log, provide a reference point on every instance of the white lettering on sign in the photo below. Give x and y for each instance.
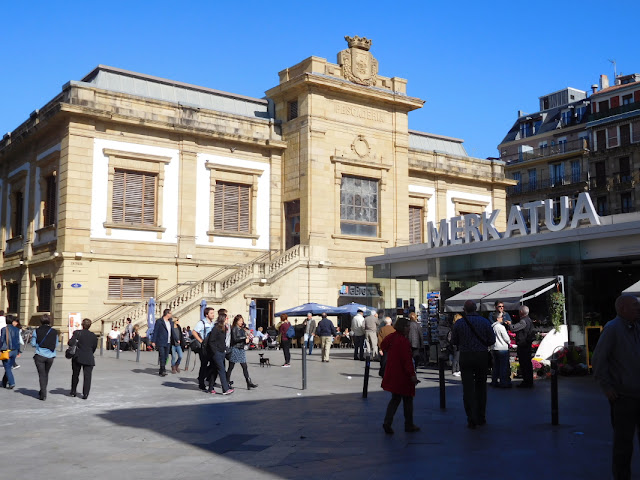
(474, 228)
(359, 112)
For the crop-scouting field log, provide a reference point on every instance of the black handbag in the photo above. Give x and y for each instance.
(73, 348)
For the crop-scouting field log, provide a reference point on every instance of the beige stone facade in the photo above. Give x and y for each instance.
(126, 185)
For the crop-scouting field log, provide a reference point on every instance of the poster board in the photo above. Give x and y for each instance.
(75, 322)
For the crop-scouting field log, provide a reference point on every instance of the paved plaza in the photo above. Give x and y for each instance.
(136, 424)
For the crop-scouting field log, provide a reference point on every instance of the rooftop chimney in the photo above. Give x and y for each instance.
(594, 88)
(604, 82)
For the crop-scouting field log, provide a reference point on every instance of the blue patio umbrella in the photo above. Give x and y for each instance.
(313, 308)
(151, 316)
(252, 315)
(352, 308)
(203, 305)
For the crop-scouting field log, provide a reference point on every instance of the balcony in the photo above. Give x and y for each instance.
(614, 111)
(580, 145)
(547, 183)
(616, 181)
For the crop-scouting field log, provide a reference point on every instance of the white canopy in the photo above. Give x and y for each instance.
(513, 294)
(477, 292)
(633, 289)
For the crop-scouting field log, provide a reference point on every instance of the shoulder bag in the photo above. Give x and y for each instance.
(5, 354)
(73, 347)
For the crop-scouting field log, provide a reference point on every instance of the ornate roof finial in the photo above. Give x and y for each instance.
(362, 43)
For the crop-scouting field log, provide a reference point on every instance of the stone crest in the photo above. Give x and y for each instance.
(358, 65)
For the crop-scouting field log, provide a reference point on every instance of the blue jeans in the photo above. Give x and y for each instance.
(309, 344)
(163, 351)
(218, 370)
(358, 343)
(8, 379)
(176, 351)
(500, 370)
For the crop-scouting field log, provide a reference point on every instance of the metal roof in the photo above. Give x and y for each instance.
(140, 85)
(436, 143)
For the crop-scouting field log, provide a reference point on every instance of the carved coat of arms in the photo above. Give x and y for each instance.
(357, 63)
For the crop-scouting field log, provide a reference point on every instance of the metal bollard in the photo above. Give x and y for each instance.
(186, 363)
(554, 389)
(101, 343)
(367, 367)
(443, 394)
(138, 350)
(118, 347)
(304, 366)
(61, 341)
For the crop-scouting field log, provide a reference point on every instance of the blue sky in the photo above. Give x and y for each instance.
(475, 63)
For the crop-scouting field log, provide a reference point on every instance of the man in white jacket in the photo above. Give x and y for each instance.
(500, 351)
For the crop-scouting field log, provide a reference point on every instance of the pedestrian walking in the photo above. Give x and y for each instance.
(86, 343)
(399, 377)
(326, 331)
(200, 334)
(217, 347)
(177, 346)
(473, 335)
(239, 338)
(285, 339)
(357, 333)
(616, 364)
(9, 341)
(371, 333)
(161, 339)
(45, 341)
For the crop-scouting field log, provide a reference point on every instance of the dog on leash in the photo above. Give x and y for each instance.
(264, 362)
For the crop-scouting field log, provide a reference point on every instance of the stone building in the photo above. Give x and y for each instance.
(126, 186)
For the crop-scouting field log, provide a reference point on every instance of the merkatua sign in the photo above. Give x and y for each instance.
(480, 228)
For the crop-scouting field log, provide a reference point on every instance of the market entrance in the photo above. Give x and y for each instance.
(264, 312)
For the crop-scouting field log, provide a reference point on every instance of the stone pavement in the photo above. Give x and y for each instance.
(138, 425)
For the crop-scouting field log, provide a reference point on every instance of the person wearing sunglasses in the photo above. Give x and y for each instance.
(493, 316)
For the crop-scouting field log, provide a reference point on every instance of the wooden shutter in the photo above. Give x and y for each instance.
(131, 288)
(49, 211)
(232, 207)
(115, 287)
(615, 102)
(635, 131)
(613, 136)
(148, 287)
(415, 225)
(134, 198)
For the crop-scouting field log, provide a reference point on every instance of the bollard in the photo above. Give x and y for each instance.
(443, 395)
(186, 363)
(101, 343)
(61, 341)
(304, 366)
(118, 347)
(554, 390)
(138, 350)
(367, 367)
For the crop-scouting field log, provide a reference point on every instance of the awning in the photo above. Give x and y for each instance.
(513, 294)
(633, 289)
(477, 293)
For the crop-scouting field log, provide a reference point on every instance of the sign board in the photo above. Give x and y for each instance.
(76, 285)
(75, 322)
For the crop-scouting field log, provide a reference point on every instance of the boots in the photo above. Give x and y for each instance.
(250, 384)
(173, 369)
(177, 369)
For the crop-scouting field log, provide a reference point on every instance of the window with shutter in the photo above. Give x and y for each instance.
(232, 211)
(13, 298)
(18, 215)
(131, 288)
(612, 132)
(415, 225)
(44, 294)
(134, 198)
(49, 210)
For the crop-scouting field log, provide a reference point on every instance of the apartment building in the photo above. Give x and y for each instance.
(126, 187)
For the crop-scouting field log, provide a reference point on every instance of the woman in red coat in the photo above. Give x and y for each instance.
(399, 376)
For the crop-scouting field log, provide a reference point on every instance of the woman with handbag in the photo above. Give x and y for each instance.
(217, 349)
(9, 348)
(239, 338)
(45, 341)
(85, 343)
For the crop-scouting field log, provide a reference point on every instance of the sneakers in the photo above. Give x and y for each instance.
(16, 366)
(286, 365)
(456, 374)
(228, 392)
(411, 428)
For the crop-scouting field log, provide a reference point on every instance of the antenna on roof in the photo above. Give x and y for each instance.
(615, 73)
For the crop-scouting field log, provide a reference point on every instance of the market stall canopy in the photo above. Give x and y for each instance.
(303, 310)
(477, 292)
(351, 309)
(633, 289)
(513, 295)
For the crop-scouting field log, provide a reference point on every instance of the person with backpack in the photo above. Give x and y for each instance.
(524, 336)
(199, 334)
(287, 332)
(45, 341)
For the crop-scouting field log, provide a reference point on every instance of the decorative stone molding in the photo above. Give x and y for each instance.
(358, 65)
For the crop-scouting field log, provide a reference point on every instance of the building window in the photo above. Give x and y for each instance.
(134, 198)
(517, 176)
(13, 298)
(601, 205)
(232, 207)
(601, 140)
(415, 225)
(625, 169)
(533, 179)
(627, 99)
(575, 171)
(562, 145)
(526, 129)
(49, 211)
(543, 148)
(359, 206)
(625, 134)
(131, 288)
(292, 215)
(625, 202)
(580, 111)
(566, 118)
(556, 174)
(43, 285)
(292, 110)
(17, 220)
(603, 106)
(612, 133)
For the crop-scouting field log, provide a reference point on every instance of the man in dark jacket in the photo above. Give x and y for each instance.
(473, 335)
(325, 331)
(524, 333)
(162, 339)
(86, 343)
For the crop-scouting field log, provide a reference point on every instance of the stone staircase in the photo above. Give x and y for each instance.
(216, 288)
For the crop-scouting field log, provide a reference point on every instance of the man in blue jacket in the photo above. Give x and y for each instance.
(325, 331)
(161, 339)
(9, 340)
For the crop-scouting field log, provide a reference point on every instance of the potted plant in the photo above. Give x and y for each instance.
(557, 310)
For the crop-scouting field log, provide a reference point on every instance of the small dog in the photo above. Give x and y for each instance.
(264, 362)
